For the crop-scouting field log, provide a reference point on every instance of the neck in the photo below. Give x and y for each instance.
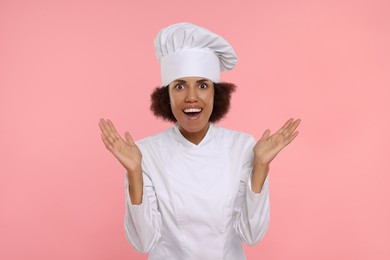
(194, 137)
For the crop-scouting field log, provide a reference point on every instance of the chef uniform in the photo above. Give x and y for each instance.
(197, 200)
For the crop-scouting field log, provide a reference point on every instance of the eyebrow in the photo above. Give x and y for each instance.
(183, 81)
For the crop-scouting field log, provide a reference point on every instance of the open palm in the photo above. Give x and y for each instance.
(269, 145)
(126, 151)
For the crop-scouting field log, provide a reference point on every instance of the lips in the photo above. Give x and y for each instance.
(192, 113)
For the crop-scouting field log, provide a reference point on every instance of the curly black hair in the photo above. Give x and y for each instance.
(161, 107)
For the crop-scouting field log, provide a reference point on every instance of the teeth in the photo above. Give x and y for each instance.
(192, 110)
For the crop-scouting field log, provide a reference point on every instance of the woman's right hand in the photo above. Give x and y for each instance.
(125, 150)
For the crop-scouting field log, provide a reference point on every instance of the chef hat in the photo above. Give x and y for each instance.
(187, 50)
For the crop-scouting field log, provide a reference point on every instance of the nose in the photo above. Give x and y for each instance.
(192, 94)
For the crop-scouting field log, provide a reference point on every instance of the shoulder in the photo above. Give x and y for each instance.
(234, 138)
(153, 141)
(238, 144)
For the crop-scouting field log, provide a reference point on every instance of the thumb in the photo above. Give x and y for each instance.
(129, 139)
(265, 134)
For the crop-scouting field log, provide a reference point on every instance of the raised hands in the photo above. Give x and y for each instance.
(269, 145)
(267, 148)
(126, 151)
(128, 154)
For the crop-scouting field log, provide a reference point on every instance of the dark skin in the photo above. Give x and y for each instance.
(194, 94)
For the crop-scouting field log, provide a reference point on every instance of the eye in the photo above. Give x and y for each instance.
(203, 85)
(179, 86)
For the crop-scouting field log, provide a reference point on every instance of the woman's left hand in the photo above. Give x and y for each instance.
(269, 145)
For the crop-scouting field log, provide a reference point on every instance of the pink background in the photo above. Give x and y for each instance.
(65, 64)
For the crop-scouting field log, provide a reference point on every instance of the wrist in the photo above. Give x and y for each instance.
(260, 170)
(258, 163)
(135, 187)
(134, 172)
(134, 177)
(259, 174)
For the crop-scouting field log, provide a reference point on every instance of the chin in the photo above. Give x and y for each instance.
(193, 128)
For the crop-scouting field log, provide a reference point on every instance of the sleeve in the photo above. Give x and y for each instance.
(252, 210)
(143, 222)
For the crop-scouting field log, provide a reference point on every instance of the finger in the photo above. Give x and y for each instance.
(285, 129)
(106, 131)
(287, 141)
(113, 135)
(292, 128)
(129, 139)
(107, 143)
(265, 135)
(103, 127)
(292, 137)
(286, 125)
(114, 132)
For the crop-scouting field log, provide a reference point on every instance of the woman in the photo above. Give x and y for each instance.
(195, 191)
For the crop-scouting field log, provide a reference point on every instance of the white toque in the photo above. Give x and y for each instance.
(188, 50)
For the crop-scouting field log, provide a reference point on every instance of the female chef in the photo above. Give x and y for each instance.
(196, 190)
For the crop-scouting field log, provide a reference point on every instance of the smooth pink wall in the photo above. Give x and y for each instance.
(65, 64)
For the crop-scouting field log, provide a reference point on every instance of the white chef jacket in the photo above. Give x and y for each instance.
(197, 201)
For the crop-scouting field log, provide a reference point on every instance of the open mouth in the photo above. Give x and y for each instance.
(192, 112)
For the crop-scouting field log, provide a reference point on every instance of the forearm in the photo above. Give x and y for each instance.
(135, 187)
(142, 219)
(254, 218)
(259, 174)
